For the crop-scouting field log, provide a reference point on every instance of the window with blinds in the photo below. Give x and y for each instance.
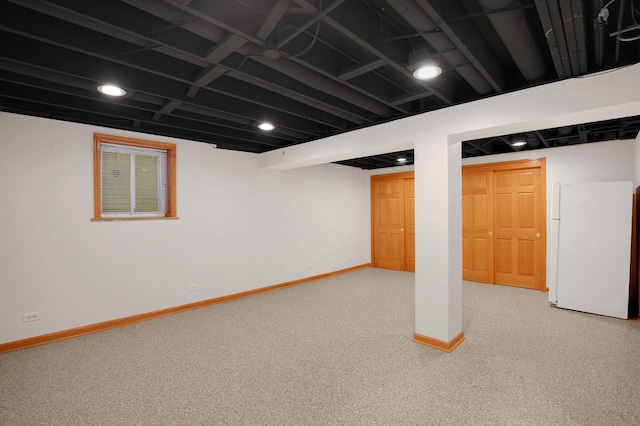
(136, 179)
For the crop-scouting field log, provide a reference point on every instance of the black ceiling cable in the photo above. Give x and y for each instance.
(634, 12)
(315, 36)
(603, 17)
(286, 55)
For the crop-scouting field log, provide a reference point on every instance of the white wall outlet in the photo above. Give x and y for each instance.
(31, 316)
(309, 266)
(350, 258)
(194, 287)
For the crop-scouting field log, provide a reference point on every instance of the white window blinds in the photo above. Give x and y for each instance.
(133, 181)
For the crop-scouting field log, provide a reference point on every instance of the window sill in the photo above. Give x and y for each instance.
(125, 219)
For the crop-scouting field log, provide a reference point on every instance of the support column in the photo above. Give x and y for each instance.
(438, 298)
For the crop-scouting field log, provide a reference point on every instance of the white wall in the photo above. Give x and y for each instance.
(593, 162)
(240, 228)
(390, 170)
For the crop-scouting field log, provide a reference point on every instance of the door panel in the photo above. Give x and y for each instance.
(503, 223)
(525, 257)
(503, 255)
(389, 217)
(519, 227)
(480, 254)
(477, 217)
(393, 221)
(480, 211)
(503, 210)
(525, 209)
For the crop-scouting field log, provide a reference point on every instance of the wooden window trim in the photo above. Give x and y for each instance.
(99, 138)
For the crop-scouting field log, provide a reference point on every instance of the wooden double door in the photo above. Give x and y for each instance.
(393, 228)
(503, 223)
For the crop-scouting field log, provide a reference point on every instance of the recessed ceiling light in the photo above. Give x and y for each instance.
(111, 90)
(266, 126)
(518, 143)
(402, 160)
(427, 72)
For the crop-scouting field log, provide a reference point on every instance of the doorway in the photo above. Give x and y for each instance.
(393, 222)
(504, 223)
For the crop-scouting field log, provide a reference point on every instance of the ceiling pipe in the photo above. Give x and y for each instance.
(515, 32)
(599, 26)
(620, 16)
(422, 23)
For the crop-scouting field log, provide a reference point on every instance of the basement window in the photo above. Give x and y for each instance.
(133, 178)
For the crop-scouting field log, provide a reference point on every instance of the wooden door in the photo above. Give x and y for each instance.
(503, 223)
(409, 226)
(519, 228)
(388, 223)
(477, 226)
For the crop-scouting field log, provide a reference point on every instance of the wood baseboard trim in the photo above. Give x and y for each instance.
(439, 344)
(121, 322)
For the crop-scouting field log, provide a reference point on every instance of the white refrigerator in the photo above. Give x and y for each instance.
(590, 250)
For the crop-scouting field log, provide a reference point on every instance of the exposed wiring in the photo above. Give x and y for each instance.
(315, 37)
(247, 57)
(620, 37)
(603, 17)
(286, 55)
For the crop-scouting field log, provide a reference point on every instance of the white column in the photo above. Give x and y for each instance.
(438, 241)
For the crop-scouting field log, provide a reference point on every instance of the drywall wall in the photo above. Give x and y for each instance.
(239, 228)
(594, 162)
(390, 170)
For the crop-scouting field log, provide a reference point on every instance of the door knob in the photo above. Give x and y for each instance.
(490, 232)
(538, 234)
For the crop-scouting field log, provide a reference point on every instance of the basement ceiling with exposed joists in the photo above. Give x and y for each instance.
(212, 71)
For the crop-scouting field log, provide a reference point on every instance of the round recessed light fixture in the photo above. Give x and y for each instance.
(426, 72)
(517, 144)
(266, 126)
(111, 90)
(401, 160)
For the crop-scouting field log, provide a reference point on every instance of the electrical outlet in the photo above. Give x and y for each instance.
(309, 266)
(31, 316)
(194, 287)
(350, 259)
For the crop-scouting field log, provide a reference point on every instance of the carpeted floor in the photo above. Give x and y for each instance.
(337, 351)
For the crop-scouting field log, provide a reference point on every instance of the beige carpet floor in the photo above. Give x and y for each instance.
(337, 351)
